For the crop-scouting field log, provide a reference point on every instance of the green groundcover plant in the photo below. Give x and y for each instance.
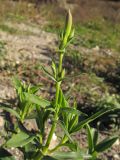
(34, 144)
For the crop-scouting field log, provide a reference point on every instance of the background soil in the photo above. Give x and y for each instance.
(84, 10)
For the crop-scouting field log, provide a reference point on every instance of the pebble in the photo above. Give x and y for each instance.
(117, 143)
(96, 49)
(116, 156)
(54, 137)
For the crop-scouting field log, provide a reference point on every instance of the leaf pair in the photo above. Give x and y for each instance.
(93, 146)
(55, 75)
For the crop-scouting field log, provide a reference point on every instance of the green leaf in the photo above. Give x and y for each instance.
(90, 139)
(10, 110)
(66, 132)
(72, 34)
(36, 100)
(71, 155)
(50, 108)
(68, 27)
(19, 140)
(95, 137)
(62, 100)
(54, 69)
(72, 111)
(105, 144)
(71, 146)
(49, 74)
(34, 89)
(17, 82)
(29, 151)
(90, 119)
(39, 119)
(49, 158)
(5, 155)
(72, 122)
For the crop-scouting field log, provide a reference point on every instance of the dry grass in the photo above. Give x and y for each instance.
(18, 11)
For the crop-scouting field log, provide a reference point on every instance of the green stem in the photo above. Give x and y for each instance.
(60, 63)
(50, 136)
(57, 93)
(45, 150)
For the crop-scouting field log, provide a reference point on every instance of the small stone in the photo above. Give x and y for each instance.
(116, 156)
(117, 143)
(17, 62)
(54, 137)
(96, 49)
(54, 141)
